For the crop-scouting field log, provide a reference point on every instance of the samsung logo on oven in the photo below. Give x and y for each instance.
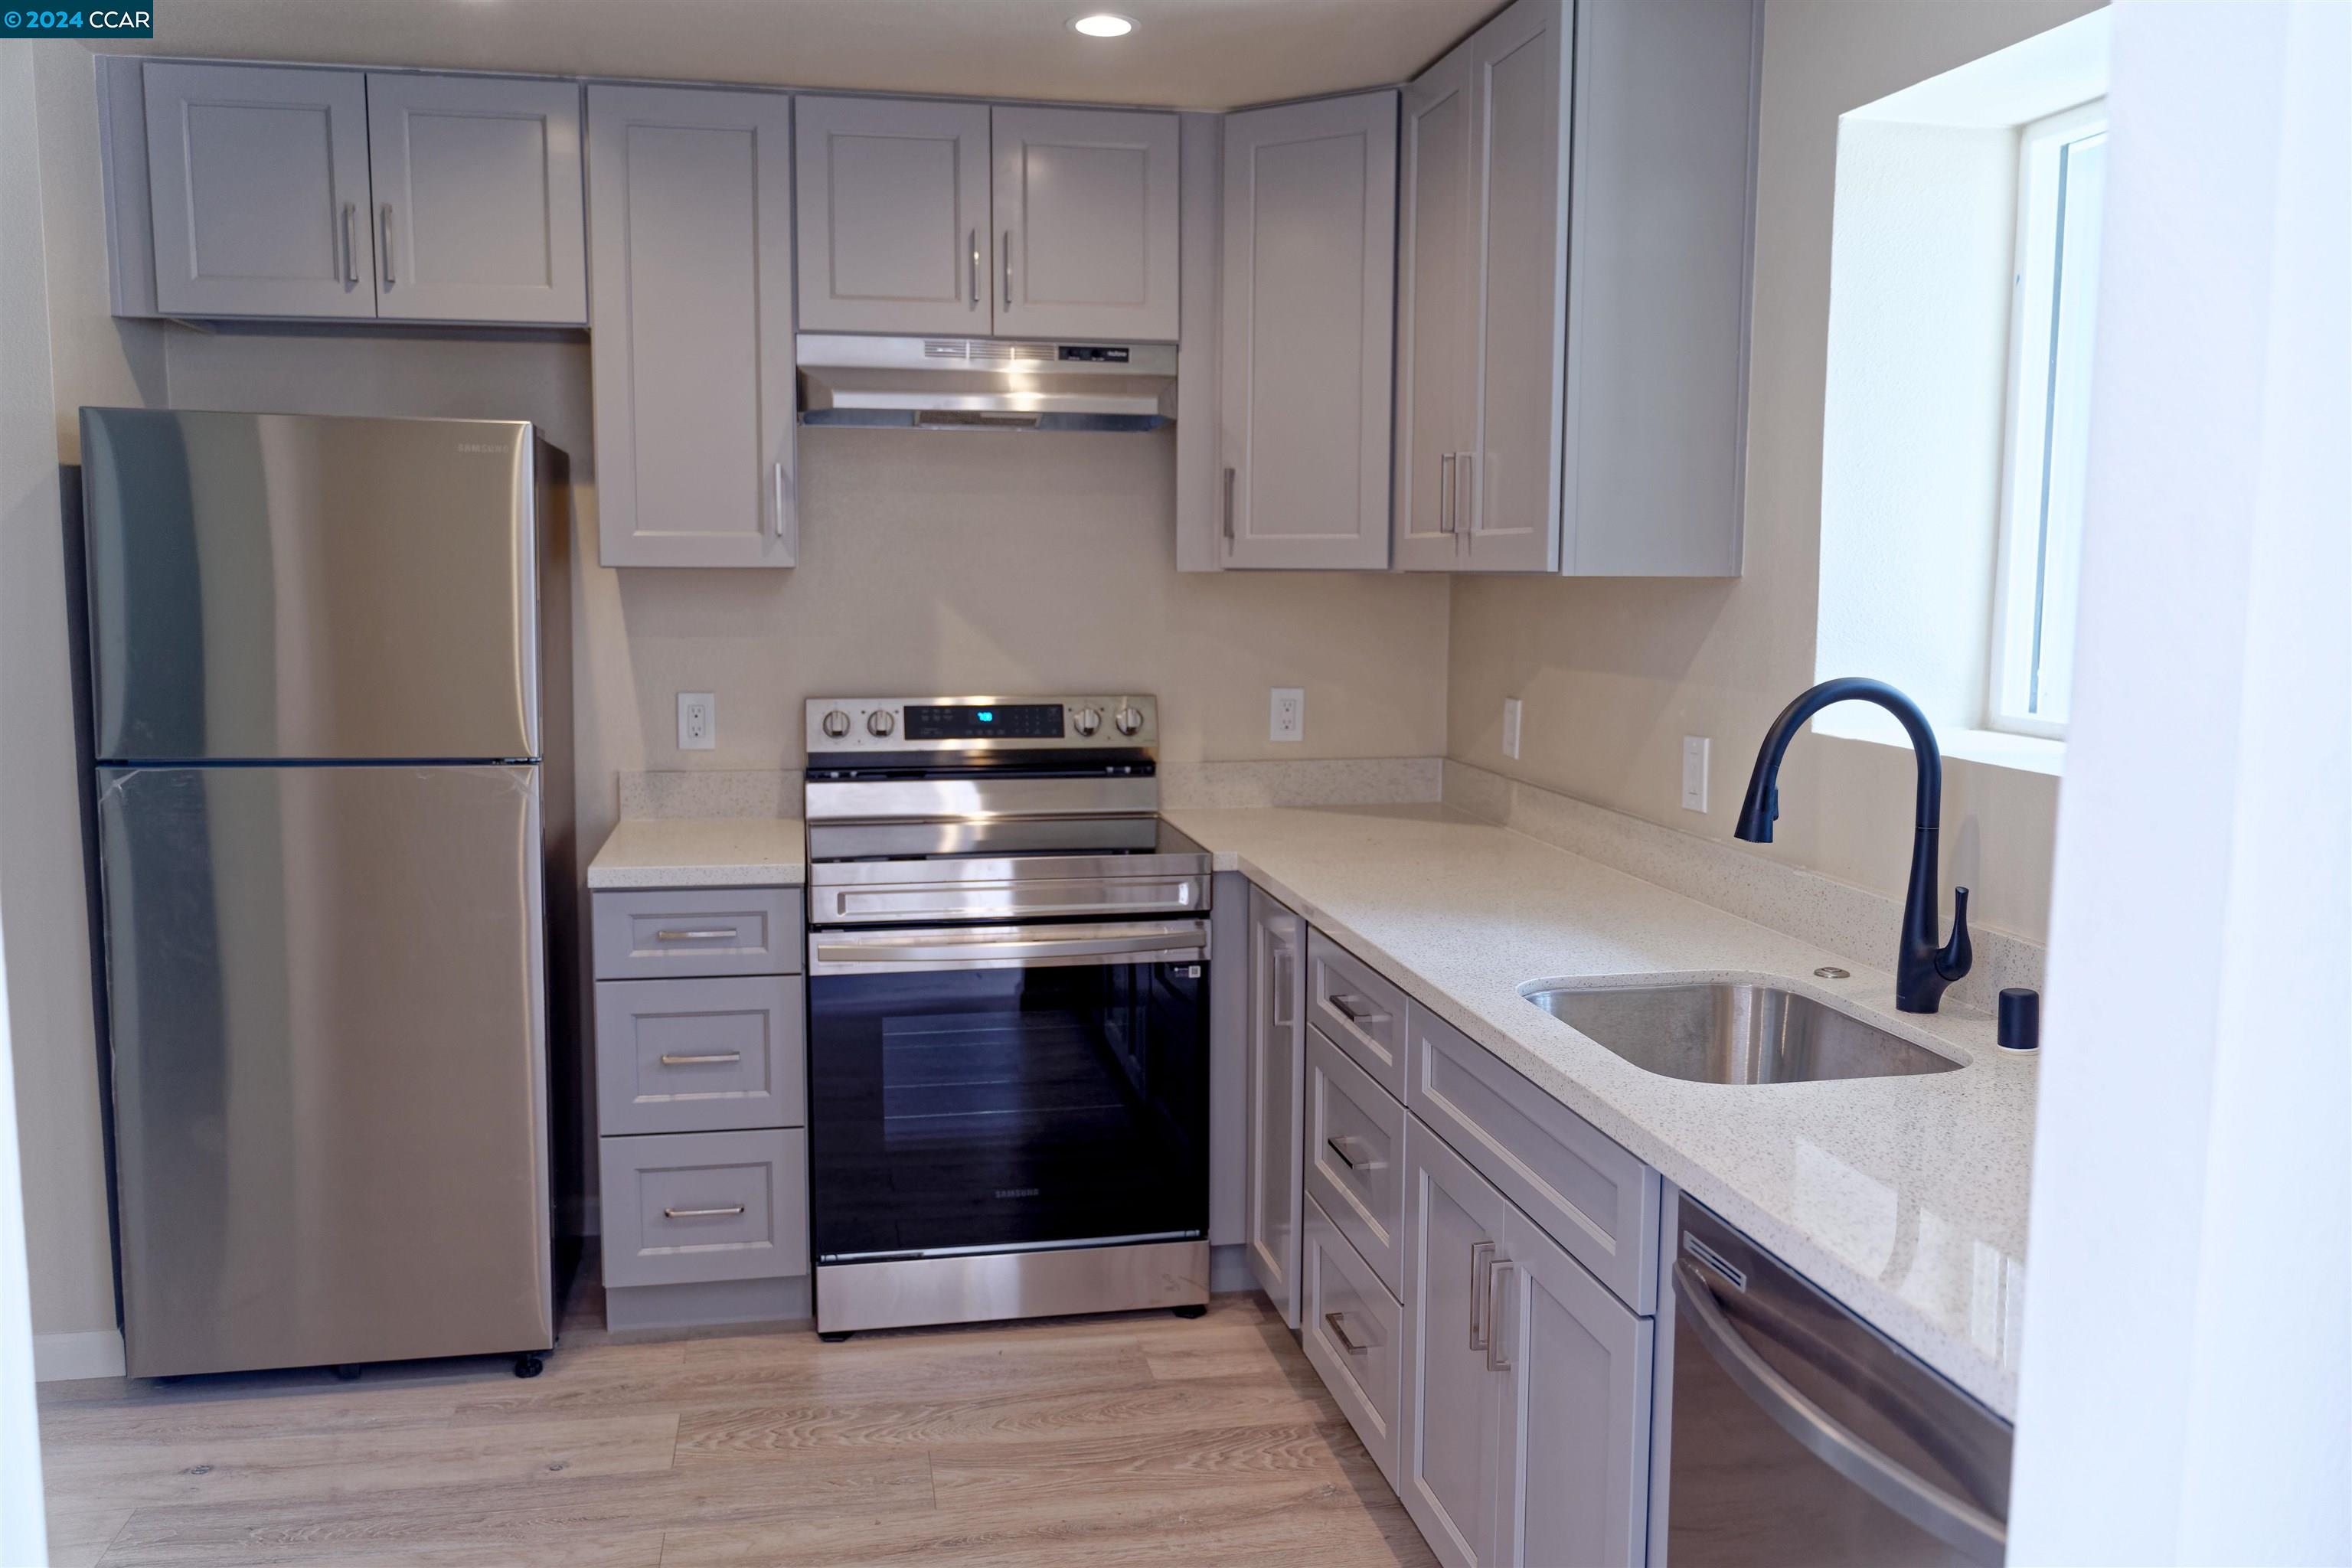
(1016, 1192)
(496, 448)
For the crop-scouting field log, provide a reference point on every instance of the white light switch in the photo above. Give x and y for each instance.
(1511, 726)
(697, 721)
(1289, 721)
(1695, 773)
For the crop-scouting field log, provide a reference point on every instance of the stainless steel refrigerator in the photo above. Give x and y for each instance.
(331, 703)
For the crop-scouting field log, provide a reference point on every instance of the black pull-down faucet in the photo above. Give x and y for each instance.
(1922, 969)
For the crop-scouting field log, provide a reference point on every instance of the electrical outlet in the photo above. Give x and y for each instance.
(1289, 718)
(1695, 748)
(697, 721)
(1511, 726)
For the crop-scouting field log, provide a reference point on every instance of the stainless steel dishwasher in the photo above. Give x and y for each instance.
(1799, 1435)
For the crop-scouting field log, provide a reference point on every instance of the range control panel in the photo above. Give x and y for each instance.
(982, 723)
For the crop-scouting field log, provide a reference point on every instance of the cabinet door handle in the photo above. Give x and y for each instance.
(1497, 1360)
(1336, 1323)
(1481, 1258)
(1445, 493)
(972, 239)
(776, 495)
(1229, 474)
(1337, 1148)
(1369, 1016)
(350, 248)
(695, 1060)
(1466, 469)
(1008, 269)
(1285, 969)
(714, 934)
(700, 1214)
(387, 244)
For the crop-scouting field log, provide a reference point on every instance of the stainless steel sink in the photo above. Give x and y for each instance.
(1742, 1033)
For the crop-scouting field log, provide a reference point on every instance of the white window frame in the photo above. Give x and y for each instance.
(2034, 280)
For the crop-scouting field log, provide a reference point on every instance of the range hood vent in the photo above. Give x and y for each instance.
(985, 384)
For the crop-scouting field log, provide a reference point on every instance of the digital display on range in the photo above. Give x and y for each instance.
(1023, 721)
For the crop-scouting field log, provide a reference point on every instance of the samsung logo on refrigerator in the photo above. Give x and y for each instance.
(496, 448)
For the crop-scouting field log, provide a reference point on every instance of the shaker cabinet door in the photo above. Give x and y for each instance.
(1573, 1485)
(1275, 1078)
(1454, 1371)
(895, 228)
(259, 181)
(1438, 302)
(691, 351)
(1307, 330)
(1085, 240)
(476, 185)
(1510, 515)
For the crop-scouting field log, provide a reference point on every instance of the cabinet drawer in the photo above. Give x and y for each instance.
(1582, 1186)
(689, 1208)
(1361, 1013)
(665, 934)
(1355, 1148)
(701, 1055)
(1353, 1332)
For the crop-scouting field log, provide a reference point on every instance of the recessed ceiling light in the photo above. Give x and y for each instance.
(1103, 25)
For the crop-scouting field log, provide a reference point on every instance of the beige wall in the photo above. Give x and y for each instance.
(1613, 674)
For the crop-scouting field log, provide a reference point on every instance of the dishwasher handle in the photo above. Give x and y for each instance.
(1954, 1521)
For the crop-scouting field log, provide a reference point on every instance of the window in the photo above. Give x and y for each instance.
(2062, 178)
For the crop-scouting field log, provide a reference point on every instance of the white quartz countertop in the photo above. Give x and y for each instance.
(702, 852)
(1903, 1198)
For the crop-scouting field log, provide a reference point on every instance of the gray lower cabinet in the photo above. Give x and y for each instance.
(1451, 1448)
(1352, 1329)
(693, 1207)
(1355, 1157)
(702, 1102)
(1274, 1078)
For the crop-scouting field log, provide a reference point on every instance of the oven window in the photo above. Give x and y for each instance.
(988, 1108)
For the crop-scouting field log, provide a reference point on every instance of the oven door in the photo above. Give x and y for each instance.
(998, 1088)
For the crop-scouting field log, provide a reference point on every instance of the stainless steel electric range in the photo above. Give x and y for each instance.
(1008, 1014)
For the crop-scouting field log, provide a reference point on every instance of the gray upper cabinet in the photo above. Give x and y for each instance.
(477, 191)
(258, 179)
(691, 339)
(1437, 297)
(1274, 1081)
(895, 228)
(1572, 302)
(1306, 322)
(335, 194)
(1085, 205)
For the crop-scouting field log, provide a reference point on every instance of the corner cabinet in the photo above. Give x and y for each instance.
(330, 194)
(690, 231)
(927, 218)
(1274, 1078)
(1572, 301)
(1305, 319)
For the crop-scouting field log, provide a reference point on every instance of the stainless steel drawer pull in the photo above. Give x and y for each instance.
(1341, 1005)
(716, 935)
(1336, 1322)
(1496, 1359)
(1481, 1258)
(700, 1214)
(678, 1061)
(1340, 1149)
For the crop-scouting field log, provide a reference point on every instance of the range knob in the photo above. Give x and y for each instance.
(836, 724)
(1128, 720)
(1086, 721)
(880, 721)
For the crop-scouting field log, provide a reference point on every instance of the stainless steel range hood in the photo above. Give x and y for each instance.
(985, 384)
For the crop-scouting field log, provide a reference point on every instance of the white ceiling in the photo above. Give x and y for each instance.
(1193, 54)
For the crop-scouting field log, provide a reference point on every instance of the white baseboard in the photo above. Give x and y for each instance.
(59, 1358)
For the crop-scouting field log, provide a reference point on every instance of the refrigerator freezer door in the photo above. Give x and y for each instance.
(279, 586)
(329, 1063)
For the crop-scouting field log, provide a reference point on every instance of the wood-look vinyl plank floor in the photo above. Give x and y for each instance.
(1131, 1438)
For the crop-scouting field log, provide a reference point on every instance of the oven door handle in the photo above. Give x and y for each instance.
(1185, 941)
(1954, 1521)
